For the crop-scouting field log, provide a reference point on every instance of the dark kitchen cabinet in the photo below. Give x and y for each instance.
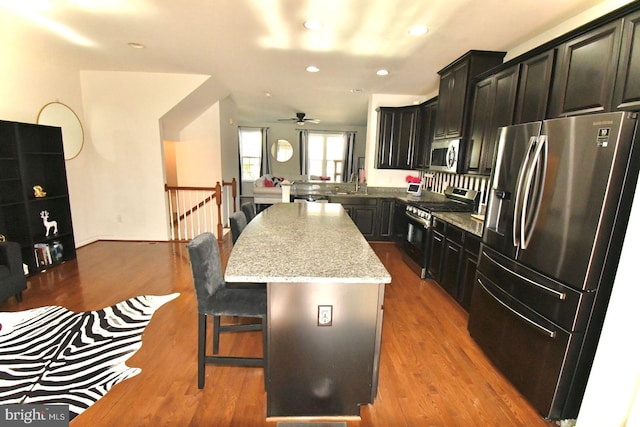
(364, 217)
(585, 74)
(493, 106)
(396, 137)
(455, 91)
(385, 219)
(372, 215)
(436, 254)
(425, 132)
(469, 265)
(535, 84)
(627, 92)
(452, 260)
(32, 155)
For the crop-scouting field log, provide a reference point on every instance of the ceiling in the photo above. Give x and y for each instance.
(252, 48)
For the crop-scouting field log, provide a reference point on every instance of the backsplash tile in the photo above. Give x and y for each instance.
(440, 181)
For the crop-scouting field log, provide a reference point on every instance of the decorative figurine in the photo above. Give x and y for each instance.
(48, 224)
(38, 191)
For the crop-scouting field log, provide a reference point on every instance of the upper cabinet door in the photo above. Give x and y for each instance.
(535, 83)
(627, 93)
(396, 137)
(493, 106)
(424, 133)
(456, 91)
(447, 82)
(586, 72)
(451, 95)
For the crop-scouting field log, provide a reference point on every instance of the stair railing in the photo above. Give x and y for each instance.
(195, 210)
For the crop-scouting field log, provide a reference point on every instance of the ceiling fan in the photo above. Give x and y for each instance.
(300, 119)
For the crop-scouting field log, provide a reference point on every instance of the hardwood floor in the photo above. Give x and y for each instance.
(431, 372)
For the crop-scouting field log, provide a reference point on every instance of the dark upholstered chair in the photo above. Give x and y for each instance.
(249, 210)
(238, 222)
(12, 279)
(217, 298)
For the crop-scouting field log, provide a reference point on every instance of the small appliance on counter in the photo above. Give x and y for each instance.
(414, 189)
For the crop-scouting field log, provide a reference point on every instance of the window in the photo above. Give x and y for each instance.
(326, 155)
(250, 153)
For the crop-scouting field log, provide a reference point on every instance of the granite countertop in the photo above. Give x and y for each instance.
(304, 242)
(462, 220)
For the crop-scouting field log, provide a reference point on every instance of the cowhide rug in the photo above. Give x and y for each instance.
(50, 355)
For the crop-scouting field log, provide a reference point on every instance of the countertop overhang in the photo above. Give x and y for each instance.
(304, 242)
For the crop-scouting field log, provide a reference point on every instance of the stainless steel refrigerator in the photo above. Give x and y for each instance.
(559, 203)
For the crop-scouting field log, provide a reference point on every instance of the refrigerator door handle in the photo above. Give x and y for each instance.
(538, 168)
(524, 168)
(548, 332)
(558, 294)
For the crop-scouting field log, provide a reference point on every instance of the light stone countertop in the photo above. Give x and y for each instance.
(462, 220)
(304, 242)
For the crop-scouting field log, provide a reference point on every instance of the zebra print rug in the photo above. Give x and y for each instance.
(50, 355)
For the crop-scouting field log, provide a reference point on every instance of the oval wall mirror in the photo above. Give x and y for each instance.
(59, 114)
(282, 150)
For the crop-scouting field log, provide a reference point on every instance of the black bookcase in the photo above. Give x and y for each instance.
(32, 155)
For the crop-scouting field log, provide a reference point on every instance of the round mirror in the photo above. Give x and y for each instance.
(59, 114)
(282, 150)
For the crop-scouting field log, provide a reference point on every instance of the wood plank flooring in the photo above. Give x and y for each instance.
(431, 372)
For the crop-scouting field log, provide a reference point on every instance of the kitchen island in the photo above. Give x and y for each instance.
(325, 288)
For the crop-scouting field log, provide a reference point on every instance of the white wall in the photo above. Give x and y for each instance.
(198, 152)
(122, 112)
(615, 377)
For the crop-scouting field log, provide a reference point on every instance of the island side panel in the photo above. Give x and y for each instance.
(316, 370)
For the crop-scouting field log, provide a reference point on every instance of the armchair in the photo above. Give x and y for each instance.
(12, 279)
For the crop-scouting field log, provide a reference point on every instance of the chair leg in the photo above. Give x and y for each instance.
(202, 342)
(216, 334)
(19, 296)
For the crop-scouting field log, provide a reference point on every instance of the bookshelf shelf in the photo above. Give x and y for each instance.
(33, 155)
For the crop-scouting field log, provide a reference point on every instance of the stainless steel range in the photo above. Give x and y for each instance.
(413, 229)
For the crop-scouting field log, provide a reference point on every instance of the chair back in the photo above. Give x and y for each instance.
(238, 222)
(11, 257)
(206, 268)
(249, 210)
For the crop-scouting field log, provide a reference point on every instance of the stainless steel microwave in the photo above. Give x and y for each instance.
(444, 155)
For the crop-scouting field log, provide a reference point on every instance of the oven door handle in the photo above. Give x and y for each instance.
(424, 223)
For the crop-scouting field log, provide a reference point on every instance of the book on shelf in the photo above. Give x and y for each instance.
(43, 254)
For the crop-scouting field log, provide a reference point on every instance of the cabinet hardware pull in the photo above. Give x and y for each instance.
(560, 295)
(548, 332)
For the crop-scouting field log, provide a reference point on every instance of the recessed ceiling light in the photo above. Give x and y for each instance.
(267, 94)
(312, 25)
(313, 69)
(136, 45)
(382, 72)
(418, 30)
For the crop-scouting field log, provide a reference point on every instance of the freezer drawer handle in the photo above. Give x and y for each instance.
(560, 295)
(549, 333)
